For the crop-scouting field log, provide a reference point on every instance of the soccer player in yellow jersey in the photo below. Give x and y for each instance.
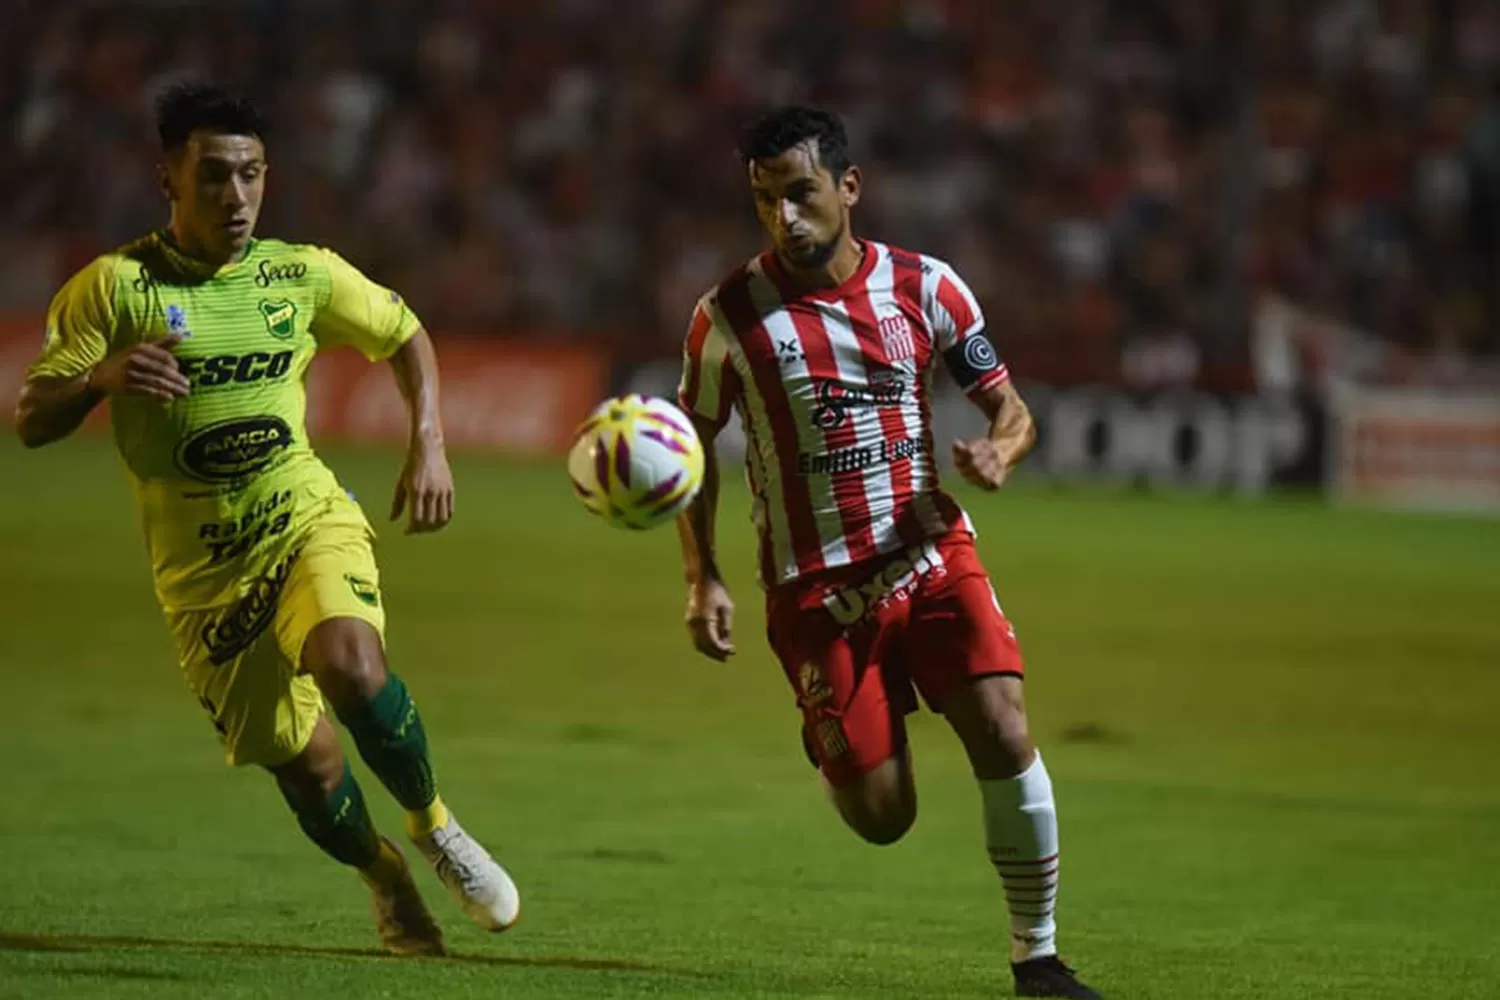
(200, 336)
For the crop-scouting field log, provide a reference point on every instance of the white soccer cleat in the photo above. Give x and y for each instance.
(483, 888)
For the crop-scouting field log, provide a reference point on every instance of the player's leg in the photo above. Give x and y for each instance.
(1020, 824)
(879, 804)
(333, 627)
(328, 803)
(268, 716)
(330, 808)
(972, 671)
(853, 727)
(346, 657)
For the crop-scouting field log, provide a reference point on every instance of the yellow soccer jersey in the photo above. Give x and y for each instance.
(225, 477)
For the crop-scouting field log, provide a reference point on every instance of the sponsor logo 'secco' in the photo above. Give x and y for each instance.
(835, 399)
(236, 369)
(238, 628)
(234, 449)
(268, 273)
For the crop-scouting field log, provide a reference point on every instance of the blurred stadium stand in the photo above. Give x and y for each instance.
(1268, 204)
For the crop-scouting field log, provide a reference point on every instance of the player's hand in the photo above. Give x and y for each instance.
(710, 618)
(979, 461)
(147, 369)
(425, 489)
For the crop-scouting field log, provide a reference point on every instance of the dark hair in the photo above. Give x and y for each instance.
(778, 131)
(184, 108)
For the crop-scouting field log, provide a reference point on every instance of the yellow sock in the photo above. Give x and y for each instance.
(386, 866)
(421, 822)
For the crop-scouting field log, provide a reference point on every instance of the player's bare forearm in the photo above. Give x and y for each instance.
(52, 408)
(425, 488)
(696, 525)
(416, 368)
(987, 461)
(710, 610)
(1011, 427)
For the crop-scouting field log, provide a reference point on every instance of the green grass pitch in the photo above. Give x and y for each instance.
(1272, 728)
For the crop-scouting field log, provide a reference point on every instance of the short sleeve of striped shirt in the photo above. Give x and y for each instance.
(710, 382)
(958, 328)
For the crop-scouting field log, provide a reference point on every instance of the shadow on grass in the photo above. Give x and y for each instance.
(103, 972)
(13, 941)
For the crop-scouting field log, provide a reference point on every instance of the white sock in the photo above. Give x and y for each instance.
(1020, 825)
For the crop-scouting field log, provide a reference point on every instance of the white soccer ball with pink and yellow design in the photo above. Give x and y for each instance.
(636, 462)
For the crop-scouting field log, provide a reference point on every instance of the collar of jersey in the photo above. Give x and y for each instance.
(192, 266)
(790, 290)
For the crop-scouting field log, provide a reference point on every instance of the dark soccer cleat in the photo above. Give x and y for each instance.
(405, 925)
(1049, 977)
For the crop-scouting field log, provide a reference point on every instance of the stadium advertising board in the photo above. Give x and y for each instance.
(1174, 440)
(1184, 440)
(496, 395)
(516, 398)
(1416, 448)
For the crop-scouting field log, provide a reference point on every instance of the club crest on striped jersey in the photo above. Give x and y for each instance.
(896, 338)
(280, 316)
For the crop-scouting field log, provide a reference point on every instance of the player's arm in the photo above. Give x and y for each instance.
(974, 364)
(710, 610)
(52, 408)
(76, 369)
(426, 483)
(987, 461)
(356, 312)
(706, 394)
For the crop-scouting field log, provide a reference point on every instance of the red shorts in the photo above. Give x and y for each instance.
(856, 641)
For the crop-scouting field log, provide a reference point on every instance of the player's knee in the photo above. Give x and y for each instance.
(991, 720)
(882, 807)
(886, 826)
(301, 785)
(1007, 748)
(313, 774)
(345, 657)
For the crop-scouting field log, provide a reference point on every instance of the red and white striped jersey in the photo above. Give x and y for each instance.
(833, 388)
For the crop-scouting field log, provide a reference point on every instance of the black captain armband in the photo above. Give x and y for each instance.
(973, 360)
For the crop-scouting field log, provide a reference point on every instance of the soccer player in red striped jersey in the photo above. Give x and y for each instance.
(825, 346)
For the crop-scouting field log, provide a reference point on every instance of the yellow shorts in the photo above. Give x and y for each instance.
(243, 662)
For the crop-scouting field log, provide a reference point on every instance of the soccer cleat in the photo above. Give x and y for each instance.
(1049, 977)
(476, 880)
(406, 927)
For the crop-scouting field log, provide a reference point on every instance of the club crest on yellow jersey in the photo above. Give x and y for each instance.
(280, 316)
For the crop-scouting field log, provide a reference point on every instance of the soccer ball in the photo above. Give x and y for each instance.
(636, 462)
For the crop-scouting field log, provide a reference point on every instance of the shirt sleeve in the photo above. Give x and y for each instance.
(80, 323)
(361, 314)
(710, 383)
(958, 329)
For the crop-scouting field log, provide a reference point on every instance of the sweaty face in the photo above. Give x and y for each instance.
(803, 207)
(216, 183)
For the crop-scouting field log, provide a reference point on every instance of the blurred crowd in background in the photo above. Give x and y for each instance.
(1141, 192)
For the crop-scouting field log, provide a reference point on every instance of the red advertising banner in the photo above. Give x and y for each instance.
(1417, 448)
(496, 394)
